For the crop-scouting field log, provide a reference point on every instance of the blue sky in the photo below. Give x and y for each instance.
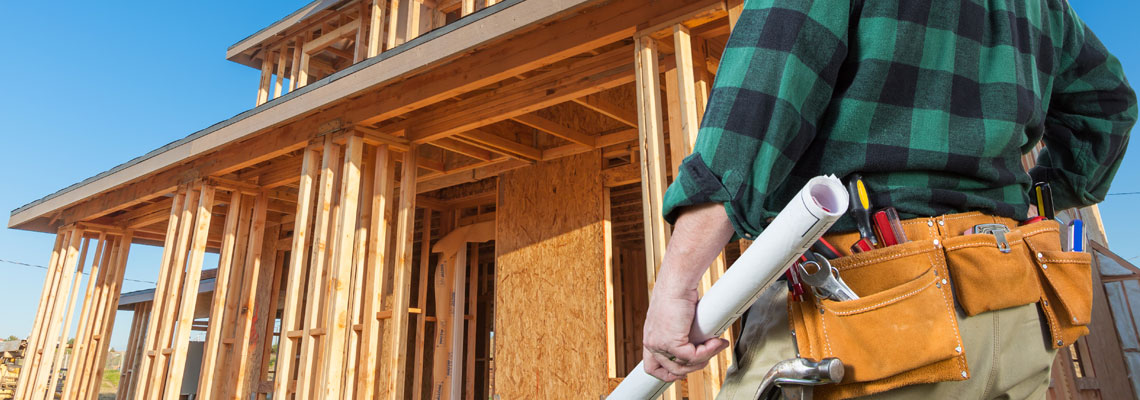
(89, 85)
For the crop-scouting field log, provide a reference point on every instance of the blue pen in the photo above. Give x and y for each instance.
(1076, 235)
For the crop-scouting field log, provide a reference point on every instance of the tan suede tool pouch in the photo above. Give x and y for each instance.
(901, 331)
(1066, 283)
(986, 278)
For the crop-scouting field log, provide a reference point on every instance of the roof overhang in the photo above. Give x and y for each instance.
(439, 45)
(240, 52)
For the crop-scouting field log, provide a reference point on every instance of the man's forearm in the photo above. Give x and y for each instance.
(698, 237)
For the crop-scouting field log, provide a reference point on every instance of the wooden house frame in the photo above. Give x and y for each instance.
(444, 198)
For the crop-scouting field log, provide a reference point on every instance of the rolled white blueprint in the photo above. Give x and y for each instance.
(800, 224)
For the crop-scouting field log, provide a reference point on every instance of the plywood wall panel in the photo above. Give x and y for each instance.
(550, 311)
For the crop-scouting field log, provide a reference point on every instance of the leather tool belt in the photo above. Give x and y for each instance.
(903, 329)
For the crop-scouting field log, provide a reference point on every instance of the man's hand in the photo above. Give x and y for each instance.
(667, 352)
(698, 237)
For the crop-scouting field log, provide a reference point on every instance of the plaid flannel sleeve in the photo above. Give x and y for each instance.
(775, 80)
(1088, 122)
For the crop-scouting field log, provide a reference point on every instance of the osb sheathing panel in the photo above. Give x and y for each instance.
(550, 310)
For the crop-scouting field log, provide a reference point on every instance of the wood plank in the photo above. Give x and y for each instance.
(651, 143)
(295, 72)
(561, 39)
(340, 268)
(286, 351)
(375, 28)
(86, 331)
(580, 78)
(472, 332)
(464, 149)
(107, 309)
(317, 261)
(421, 303)
(193, 278)
(143, 374)
(36, 385)
(50, 278)
(221, 292)
(69, 310)
(384, 180)
(266, 76)
(608, 265)
(503, 145)
(359, 290)
(404, 233)
(651, 138)
(556, 129)
(282, 56)
(600, 103)
(227, 363)
(246, 333)
(314, 46)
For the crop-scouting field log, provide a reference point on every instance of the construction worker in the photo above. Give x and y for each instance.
(933, 103)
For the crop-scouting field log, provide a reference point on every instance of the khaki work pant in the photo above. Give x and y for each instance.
(1005, 350)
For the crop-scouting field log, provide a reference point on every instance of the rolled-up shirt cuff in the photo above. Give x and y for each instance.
(696, 184)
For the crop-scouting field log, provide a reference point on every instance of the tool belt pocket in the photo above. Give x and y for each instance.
(1066, 284)
(990, 275)
(904, 321)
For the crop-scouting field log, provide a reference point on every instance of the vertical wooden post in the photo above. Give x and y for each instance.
(193, 278)
(415, 7)
(246, 334)
(86, 324)
(376, 28)
(360, 48)
(56, 365)
(62, 238)
(295, 72)
(221, 291)
(394, 37)
(168, 312)
(608, 264)
(149, 353)
(303, 68)
(234, 292)
(287, 347)
(131, 354)
(105, 312)
(735, 8)
(357, 290)
(338, 322)
(282, 57)
(472, 327)
(651, 138)
(266, 78)
(405, 229)
(468, 8)
(384, 181)
(421, 318)
(317, 269)
(41, 364)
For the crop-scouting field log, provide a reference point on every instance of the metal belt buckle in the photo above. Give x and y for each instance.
(999, 231)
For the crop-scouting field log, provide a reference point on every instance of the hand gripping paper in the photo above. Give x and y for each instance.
(811, 213)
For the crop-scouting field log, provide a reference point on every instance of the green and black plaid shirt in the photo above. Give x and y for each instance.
(933, 102)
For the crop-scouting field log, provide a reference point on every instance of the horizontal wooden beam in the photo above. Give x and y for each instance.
(503, 145)
(597, 102)
(464, 149)
(554, 128)
(585, 76)
(559, 40)
(326, 40)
